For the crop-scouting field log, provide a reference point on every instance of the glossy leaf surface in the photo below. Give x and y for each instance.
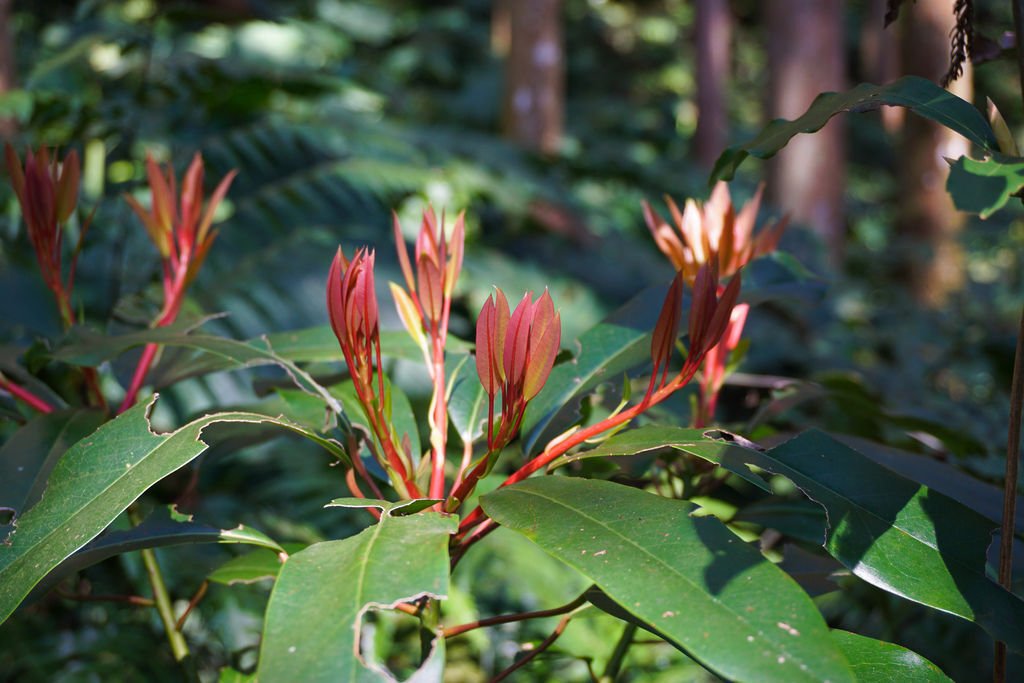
(899, 535)
(94, 482)
(920, 95)
(984, 186)
(876, 661)
(28, 456)
(690, 578)
(163, 527)
(892, 532)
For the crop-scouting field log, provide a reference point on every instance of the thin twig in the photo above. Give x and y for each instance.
(180, 624)
(136, 600)
(139, 376)
(162, 598)
(413, 610)
(544, 645)
(453, 631)
(25, 396)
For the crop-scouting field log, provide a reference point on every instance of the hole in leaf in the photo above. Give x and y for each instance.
(393, 641)
(7, 516)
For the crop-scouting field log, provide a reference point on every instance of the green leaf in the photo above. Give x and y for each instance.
(689, 578)
(308, 345)
(89, 348)
(248, 568)
(606, 351)
(800, 519)
(163, 527)
(27, 457)
(95, 481)
(467, 405)
(919, 95)
(692, 441)
(403, 419)
(229, 675)
(395, 509)
(984, 186)
(892, 532)
(876, 661)
(899, 535)
(313, 620)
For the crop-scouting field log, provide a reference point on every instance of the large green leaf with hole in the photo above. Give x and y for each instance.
(876, 661)
(983, 186)
(314, 617)
(920, 95)
(95, 481)
(689, 578)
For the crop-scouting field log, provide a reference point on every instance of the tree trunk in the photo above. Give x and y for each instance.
(8, 126)
(806, 58)
(713, 28)
(534, 75)
(501, 28)
(880, 57)
(928, 224)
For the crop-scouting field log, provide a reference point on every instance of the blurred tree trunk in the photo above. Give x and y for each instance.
(713, 28)
(928, 224)
(8, 126)
(500, 27)
(534, 75)
(806, 58)
(880, 57)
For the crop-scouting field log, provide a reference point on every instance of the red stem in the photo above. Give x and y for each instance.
(171, 308)
(139, 376)
(452, 631)
(25, 396)
(353, 487)
(439, 433)
(545, 458)
(200, 593)
(544, 645)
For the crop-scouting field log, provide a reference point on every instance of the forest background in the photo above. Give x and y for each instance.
(549, 121)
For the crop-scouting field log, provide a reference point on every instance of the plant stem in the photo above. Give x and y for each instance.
(552, 452)
(200, 594)
(544, 645)
(1006, 529)
(438, 421)
(136, 600)
(92, 381)
(453, 631)
(179, 648)
(139, 376)
(611, 670)
(25, 396)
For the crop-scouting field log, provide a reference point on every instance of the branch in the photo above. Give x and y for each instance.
(25, 396)
(453, 631)
(544, 645)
